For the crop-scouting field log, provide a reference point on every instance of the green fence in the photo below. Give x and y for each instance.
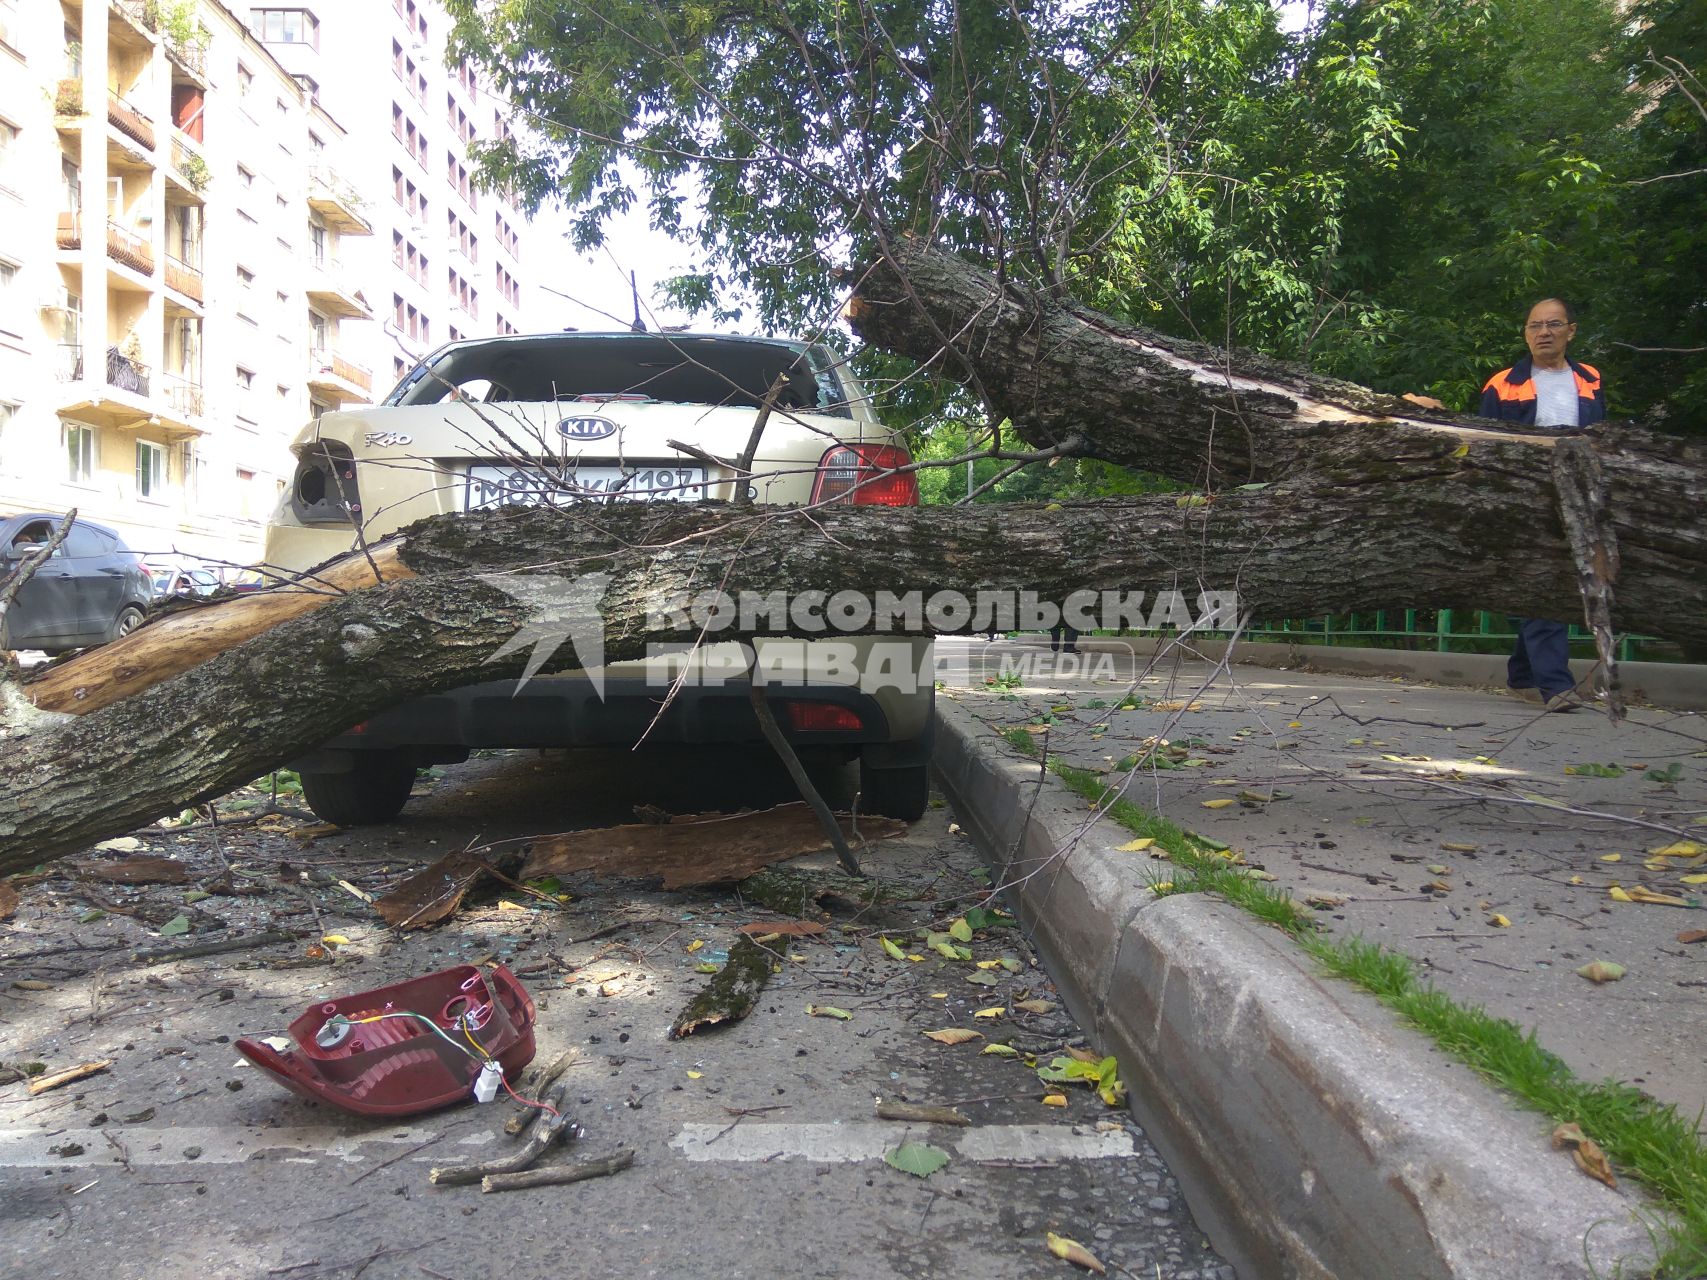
(1443, 630)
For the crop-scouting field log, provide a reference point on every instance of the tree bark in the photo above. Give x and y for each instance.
(1357, 510)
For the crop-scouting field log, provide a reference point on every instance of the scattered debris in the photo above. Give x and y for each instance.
(271, 938)
(1599, 971)
(1586, 1152)
(8, 900)
(919, 1114)
(135, 871)
(917, 1158)
(557, 1175)
(785, 928)
(409, 1047)
(41, 1084)
(699, 848)
(434, 894)
(953, 1035)
(732, 991)
(551, 1125)
(1074, 1252)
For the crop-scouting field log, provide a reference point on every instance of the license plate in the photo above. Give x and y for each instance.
(535, 487)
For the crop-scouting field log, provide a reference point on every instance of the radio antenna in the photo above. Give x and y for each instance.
(639, 326)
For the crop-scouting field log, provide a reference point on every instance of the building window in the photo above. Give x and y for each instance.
(8, 149)
(287, 26)
(7, 411)
(244, 177)
(245, 378)
(245, 80)
(80, 452)
(150, 470)
(245, 277)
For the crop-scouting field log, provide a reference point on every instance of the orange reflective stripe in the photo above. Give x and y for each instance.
(1586, 387)
(1507, 390)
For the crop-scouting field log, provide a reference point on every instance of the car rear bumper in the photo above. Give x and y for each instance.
(569, 711)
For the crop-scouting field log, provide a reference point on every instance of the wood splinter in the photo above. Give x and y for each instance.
(547, 1129)
(83, 1069)
(558, 1174)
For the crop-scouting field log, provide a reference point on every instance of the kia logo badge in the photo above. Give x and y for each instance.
(586, 428)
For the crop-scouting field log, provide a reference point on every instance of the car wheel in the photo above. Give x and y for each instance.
(374, 790)
(129, 619)
(895, 793)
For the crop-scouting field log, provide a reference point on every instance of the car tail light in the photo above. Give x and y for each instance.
(854, 473)
(821, 717)
(324, 489)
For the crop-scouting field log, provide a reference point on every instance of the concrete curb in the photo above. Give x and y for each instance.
(1314, 1135)
(1678, 685)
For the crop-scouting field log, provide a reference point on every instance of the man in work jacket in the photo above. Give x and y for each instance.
(1551, 392)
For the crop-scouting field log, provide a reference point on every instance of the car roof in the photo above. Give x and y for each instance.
(56, 516)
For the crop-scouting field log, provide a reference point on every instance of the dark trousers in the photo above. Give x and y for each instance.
(1541, 658)
(1063, 639)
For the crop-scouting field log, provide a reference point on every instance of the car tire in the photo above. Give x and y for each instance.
(129, 619)
(895, 793)
(374, 790)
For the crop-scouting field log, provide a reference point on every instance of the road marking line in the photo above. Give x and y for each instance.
(868, 1140)
(29, 1148)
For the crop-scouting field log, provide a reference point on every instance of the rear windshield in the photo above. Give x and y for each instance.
(664, 367)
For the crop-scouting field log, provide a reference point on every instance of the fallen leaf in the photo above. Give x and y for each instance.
(1217, 804)
(696, 1075)
(1618, 895)
(1599, 971)
(982, 979)
(1000, 1050)
(1054, 1099)
(1034, 1006)
(316, 831)
(1438, 886)
(917, 1158)
(1612, 857)
(960, 931)
(1294, 724)
(1639, 894)
(1499, 921)
(1136, 846)
(1074, 1252)
(1592, 1161)
(1326, 901)
(1459, 848)
(1437, 869)
(1692, 935)
(705, 966)
(695, 945)
(335, 940)
(1699, 879)
(120, 844)
(953, 1035)
(8, 900)
(1576, 880)
(1680, 849)
(994, 1011)
(828, 1011)
(608, 989)
(890, 949)
(175, 926)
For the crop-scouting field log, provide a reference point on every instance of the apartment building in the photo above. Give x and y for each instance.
(203, 246)
(446, 258)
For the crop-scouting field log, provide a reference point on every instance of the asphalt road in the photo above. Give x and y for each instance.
(757, 1150)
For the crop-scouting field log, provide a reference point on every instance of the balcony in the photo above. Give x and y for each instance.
(181, 404)
(112, 393)
(188, 169)
(186, 279)
(129, 121)
(124, 246)
(337, 203)
(334, 378)
(190, 55)
(330, 293)
(141, 14)
(70, 231)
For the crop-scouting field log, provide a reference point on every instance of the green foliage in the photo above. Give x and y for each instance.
(1381, 193)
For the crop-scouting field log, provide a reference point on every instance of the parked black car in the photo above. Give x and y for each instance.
(91, 590)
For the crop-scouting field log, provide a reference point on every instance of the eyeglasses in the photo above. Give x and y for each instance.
(1547, 326)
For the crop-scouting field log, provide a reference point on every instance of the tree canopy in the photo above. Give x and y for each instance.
(1379, 193)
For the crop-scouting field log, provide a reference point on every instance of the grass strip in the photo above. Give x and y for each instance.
(1647, 1138)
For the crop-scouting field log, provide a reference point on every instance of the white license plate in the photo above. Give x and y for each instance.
(536, 487)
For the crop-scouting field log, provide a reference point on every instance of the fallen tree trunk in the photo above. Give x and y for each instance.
(1354, 511)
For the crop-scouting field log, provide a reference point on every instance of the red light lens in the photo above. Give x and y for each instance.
(852, 473)
(821, 717)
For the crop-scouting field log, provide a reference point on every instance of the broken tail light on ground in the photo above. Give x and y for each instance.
(410, 1047)
(865, 475)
